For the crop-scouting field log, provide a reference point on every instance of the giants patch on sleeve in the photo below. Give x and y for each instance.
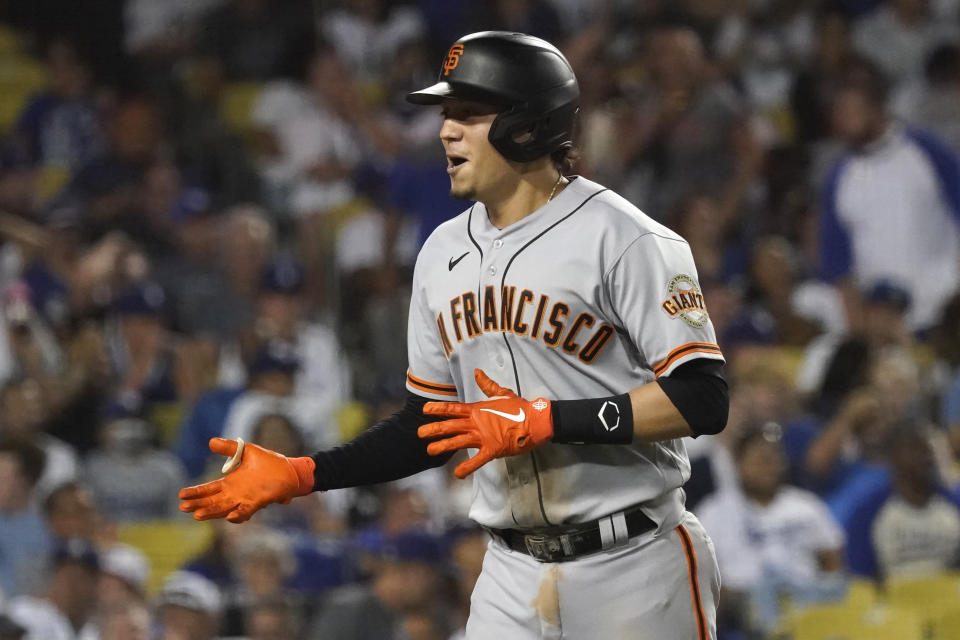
(684, 300)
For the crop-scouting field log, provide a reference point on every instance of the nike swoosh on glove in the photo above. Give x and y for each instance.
(504, 425)
(261, 477)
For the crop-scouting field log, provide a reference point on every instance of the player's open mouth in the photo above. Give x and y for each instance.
(453, 162)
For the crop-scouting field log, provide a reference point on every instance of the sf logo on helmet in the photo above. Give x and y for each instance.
(453, 59)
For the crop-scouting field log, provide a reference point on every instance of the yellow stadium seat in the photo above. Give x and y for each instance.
(9, 41)
(844, 622)
(946, 626)
(930, 596)
(166, 543)
(20, 78)
(238, 101)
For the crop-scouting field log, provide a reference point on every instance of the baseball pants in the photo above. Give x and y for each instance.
(663, 588)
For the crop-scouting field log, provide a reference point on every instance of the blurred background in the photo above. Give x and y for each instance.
(209, 213)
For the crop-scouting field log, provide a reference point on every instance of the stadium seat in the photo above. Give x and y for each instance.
(166, 543)
(846, 622)
(930, 596)
(237, 104)
(20, 78)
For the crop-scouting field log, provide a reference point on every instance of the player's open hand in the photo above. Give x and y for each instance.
(255, 478)
(504, 425)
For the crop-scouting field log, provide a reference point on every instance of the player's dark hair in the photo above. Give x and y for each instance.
(30, 458)
(564, 159)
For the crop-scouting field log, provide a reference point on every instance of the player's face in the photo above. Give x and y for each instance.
(477, 171)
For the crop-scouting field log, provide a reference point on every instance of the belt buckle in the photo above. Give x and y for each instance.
(548, 548)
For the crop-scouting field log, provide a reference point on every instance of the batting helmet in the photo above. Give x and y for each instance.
(527, 77)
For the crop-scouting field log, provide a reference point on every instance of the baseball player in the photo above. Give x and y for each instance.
(560, 336)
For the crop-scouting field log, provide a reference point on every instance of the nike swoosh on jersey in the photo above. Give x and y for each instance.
(453, 262)
(515, 417)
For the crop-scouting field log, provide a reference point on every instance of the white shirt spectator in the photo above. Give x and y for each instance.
(368, 46)
(891, 213)
(149, 21)
(42, 620)
(781, 539)
(899, 49)
(912, 540)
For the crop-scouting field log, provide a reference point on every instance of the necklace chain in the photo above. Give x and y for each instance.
(555, 185)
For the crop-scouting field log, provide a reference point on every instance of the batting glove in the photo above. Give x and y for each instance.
(504, 425)
(255, 478)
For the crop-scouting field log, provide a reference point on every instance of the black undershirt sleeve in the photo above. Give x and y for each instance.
(699, 392)
(389, 450)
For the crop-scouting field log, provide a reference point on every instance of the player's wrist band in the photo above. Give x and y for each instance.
(593, 421)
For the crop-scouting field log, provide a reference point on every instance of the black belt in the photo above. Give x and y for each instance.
(562, 543)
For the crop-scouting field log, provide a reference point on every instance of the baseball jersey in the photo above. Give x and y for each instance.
(586, 297)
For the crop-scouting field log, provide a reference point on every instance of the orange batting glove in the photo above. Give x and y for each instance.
(504, 425)
(255, 479)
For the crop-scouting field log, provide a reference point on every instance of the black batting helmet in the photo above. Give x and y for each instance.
(526, 76)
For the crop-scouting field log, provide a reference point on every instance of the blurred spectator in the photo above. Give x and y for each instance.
(71, 513)
(885, 306)
(23, 534)
(69, 598)
(816, 81)
(19, 186)
(190, 607)
(209, 152)
(780, 305)
(772, 540)
(233, 412)
(140, 347)
(909, 525)
(157, 35)
(847, 456)
(686, 132)
(130, 477)
(945, 340)
(319, 148)
(536, 17)
(28, 347)
(368, 33)
(263, 562)
(22, 415)
(251, 39)
(10, 630)
(467, 549)
(107, 186)
(890, 206)
(899, 34)
(125, 620)
(272, 619)
(124, 570)
(204, 304)
(760, 394)
(323, 376)
(246, 242)
(932, 105)
(61, 125)
(406, 579)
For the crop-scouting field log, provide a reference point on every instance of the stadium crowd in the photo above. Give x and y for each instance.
(209, 213)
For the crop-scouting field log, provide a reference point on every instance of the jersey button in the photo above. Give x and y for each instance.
(497, 243)
(492, 270)
(523, 478)
(499, 360)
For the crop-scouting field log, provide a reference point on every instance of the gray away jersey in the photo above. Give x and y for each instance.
(586, 297)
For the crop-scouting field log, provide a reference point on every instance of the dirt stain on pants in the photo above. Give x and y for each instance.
(547, 602)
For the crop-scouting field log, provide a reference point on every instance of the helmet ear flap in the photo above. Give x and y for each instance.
(521, 137)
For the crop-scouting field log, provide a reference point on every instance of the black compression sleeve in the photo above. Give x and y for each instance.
(388, 450)
(699, 392)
